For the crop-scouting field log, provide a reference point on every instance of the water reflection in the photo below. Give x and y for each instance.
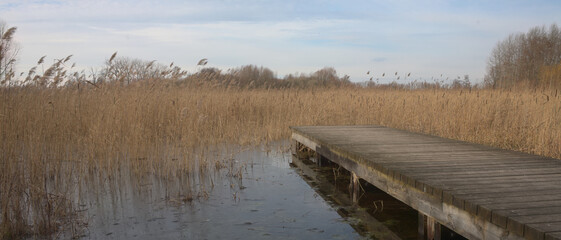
(376, 215)
(269, 201)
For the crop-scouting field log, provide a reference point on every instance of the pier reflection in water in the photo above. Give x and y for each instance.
(375, 215)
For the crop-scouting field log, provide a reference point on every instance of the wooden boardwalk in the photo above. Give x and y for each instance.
(478, 191)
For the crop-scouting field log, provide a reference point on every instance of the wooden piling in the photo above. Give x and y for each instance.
(354, 187)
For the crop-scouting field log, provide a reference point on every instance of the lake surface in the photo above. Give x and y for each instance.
(260, 195)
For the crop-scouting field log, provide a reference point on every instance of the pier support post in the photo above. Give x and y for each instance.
(294, 146)
(429, 229)
(354, 187)
(321, 160)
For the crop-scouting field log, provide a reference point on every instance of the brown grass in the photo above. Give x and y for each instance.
(51, 138)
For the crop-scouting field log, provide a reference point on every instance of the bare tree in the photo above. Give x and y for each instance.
(8, 53)
(521, 58)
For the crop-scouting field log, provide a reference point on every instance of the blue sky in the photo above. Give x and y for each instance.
(426, 38)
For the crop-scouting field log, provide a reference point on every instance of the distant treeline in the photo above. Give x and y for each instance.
(251, 76)
(123, 71)
(126, 71)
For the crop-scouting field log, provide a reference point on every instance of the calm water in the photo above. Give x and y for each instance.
(273, 200)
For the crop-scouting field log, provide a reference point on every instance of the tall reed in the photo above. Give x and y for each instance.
(52, 138)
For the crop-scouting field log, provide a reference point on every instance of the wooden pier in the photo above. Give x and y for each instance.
(477, 191)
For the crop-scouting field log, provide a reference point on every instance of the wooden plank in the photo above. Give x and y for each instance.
(522, 201)
(454, 165)
(510, 218)
(443, 185)
(514, 178)
(443, 168)
(537, 231)
(502, 218)
(471, 196)
(483, 172)
(503, 187)
(518, 223)
(553, 236)
(519, 202)
(465, 164)
(508, 185)
(529, 211)
(484, 209)
(470, 173)
(491, 188)
(411, 148)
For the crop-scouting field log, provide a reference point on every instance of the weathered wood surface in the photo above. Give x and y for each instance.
(478, 191)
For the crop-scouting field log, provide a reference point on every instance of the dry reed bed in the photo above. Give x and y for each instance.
(52, 138)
